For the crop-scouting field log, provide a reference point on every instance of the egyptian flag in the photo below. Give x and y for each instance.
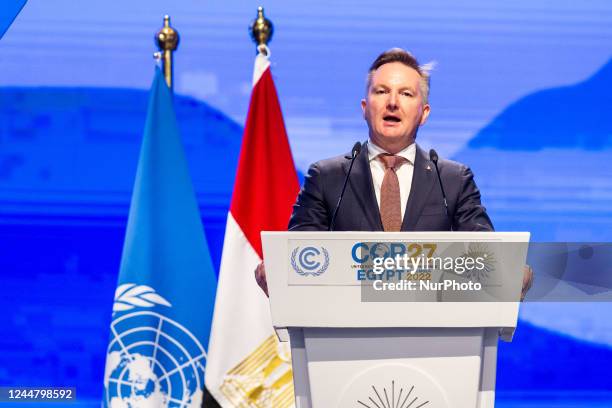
(246, 365)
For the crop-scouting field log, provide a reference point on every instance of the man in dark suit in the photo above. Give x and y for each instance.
(424, 209)
(393, 185)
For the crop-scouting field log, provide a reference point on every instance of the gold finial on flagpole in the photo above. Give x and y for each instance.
(261, 31)
(167, 39)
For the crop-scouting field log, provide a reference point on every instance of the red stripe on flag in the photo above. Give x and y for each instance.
(266, 182)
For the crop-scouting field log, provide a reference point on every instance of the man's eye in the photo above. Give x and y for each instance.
(409, 94)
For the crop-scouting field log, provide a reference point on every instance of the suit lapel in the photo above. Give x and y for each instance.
(362, 186)
(423, 179)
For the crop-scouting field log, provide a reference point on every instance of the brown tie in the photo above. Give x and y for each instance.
(390, 207)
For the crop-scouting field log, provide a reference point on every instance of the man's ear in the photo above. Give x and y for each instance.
(426, 111)
(363, 107)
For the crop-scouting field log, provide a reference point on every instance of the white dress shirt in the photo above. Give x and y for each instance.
(404, 172)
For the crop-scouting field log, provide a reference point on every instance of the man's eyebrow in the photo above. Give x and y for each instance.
(387, 87)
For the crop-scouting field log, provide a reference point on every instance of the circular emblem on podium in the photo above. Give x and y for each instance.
(393, 386)
(310, 261)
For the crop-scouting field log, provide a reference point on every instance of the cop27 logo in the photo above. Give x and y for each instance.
(310, 260)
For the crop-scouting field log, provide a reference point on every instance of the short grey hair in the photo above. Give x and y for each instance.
(406, 58)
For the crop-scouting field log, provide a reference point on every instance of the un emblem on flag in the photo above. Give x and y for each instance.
(310, 260)
(151, 360)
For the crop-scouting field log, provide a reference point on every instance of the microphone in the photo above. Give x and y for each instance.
(354, 154)
(433, 156)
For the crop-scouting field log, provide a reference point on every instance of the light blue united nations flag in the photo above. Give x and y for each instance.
(165, 295)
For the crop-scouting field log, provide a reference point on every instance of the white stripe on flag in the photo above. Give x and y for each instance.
(242, 313)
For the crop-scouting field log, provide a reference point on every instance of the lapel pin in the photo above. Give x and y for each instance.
(428, 167)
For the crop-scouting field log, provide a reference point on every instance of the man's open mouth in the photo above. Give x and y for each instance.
(391, 118)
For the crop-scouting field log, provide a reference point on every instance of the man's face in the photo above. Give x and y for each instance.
(394, 106)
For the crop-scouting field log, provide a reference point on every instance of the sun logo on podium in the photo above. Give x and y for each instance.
(485, 254)
(392, 398)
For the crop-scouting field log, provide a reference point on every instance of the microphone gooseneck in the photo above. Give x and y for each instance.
(433, 156)
(354, 154)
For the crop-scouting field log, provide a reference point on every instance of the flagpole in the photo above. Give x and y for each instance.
(167, 39)
(261, 31)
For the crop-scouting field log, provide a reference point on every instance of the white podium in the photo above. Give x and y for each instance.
(419, 350)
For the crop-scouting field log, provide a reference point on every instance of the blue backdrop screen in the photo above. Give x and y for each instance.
(520, 93)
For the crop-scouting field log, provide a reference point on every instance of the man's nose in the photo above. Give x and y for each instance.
(392, 101)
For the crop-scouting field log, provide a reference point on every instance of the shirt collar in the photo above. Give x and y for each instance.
(409, 153)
